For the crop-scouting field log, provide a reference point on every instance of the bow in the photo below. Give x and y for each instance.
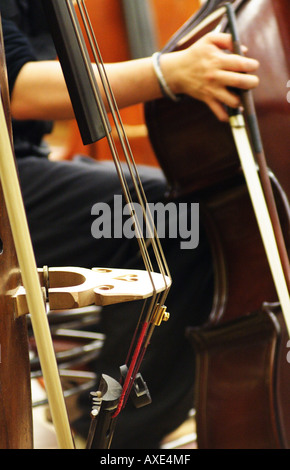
(260, 188)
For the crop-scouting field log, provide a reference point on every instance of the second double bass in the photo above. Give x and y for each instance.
(242, 377)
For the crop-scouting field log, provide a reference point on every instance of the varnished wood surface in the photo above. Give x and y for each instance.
(15, 407)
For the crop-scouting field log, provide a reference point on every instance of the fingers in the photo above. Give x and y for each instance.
(219, 110)
(238, 63)
(234, 62)
(231, 71)
(221, 40)
(236, 80)
(225, 95)
(210, 72)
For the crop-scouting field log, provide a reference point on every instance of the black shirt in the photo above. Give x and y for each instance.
(17, 50)
(27, 135)
(30, 19)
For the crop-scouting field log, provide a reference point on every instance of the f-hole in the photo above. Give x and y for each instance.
(1, 246)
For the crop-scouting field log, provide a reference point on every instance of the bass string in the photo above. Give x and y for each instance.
(141, 338)
(130, 164)
(153, 236)
(112, 145)
(127, 154)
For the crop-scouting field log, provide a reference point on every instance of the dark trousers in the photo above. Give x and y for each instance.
(59, 197)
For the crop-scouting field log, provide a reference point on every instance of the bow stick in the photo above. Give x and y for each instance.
(31, 283)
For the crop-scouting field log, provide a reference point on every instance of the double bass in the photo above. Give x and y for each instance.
(242, 373)
(66, 288)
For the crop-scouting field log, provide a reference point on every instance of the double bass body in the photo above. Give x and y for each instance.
(242, 373)
(15, 394)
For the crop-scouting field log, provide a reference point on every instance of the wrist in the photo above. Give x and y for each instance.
(162, 71)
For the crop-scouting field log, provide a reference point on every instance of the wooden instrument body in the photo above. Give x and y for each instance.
(181, 130)
(15, 394)
(242, 376)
